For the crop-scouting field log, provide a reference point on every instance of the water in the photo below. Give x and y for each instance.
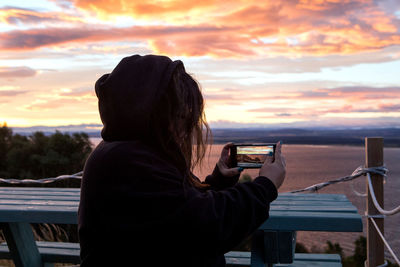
(307, 165)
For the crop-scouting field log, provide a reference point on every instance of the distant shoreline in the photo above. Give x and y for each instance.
(351, 137)
(295, 136)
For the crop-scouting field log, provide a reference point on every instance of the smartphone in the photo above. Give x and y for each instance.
(251, 156)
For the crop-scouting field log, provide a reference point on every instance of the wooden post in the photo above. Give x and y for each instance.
(374, 158)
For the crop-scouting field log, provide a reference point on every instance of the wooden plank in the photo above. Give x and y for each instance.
(343, 209)
(270, 247)
(63, 215)
(312, 196)
(49, 189)
(310, 202)
(317, 257)
(257, 249)
(286, 246)
(22, 246)
(61, 252)
(62, 245)
(238, 254)
(31, 202)
(58, 197)
(317, 260)
(45, 244)
(374, 158)
(37, 193)
(310, 264)
(237, 262)
(313, 221)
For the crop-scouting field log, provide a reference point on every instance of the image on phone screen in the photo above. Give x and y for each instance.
(252, 156)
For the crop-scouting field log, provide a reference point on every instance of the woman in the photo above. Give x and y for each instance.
(140, 203)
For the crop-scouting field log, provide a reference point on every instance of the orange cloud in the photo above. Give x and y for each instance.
(220, 28)
(35, 38)
(15, 16)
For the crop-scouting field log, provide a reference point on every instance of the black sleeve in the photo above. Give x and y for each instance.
(222, 219)
(219, 182)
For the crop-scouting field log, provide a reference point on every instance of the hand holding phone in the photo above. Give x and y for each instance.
(275, 170)
(225, 163)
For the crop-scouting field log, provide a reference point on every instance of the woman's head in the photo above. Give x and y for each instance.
(180, 115)
(152, 98)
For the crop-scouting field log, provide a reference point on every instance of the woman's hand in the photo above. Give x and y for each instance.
(276, 170)
(224, 163)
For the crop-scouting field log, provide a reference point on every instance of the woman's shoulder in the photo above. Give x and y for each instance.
(133, 155)
(123, 150)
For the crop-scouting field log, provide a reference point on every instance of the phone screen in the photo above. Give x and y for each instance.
(253, 156)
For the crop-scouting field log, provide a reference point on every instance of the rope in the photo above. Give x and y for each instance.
(384, 241)
(377, 206)
(42, 181)
(357, 173)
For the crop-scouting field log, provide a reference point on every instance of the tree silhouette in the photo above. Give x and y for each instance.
(40, 156)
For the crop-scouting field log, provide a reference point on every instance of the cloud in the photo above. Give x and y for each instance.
(351, 101)
(381, 108)
(390, 122)
(23, 16)
(389, 107)
(229, 28)
(35, 38)
(358, 92)
(78, 92)
(51, 104)
(11, 91)
(16, 72)
(63, 98)
(275, 96)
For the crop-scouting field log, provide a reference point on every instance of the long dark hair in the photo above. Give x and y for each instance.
(179, 125)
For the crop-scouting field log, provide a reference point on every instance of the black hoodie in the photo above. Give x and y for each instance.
(135, 209)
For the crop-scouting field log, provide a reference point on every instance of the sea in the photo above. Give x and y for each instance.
(310, 164)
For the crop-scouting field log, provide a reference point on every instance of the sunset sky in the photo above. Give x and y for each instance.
(276, 63)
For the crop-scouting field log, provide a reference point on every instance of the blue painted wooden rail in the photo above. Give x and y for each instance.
(273, 242)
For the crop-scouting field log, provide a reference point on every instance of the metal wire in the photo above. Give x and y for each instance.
(356, 192)
(382, 170)
(42, 181)
(384, 241)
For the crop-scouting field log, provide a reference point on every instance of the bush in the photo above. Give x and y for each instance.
(40, 156)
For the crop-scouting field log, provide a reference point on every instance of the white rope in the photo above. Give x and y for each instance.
(377, 206)
(384, 241)
(357, 173)
(42, 181)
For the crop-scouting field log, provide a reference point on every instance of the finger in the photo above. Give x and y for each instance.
(225, 149)
(222, 164)
(278, 156)
(228, 171)
(279, 147)
(283, 160)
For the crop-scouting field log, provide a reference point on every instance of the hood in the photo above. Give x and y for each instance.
(128, 94)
